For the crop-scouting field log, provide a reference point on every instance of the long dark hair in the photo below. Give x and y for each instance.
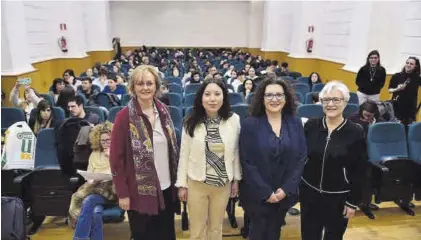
(42, 105)
(417, 69)
(257, 107)
(198, 113)
(373, 52)
(319, 79)
(54, 87)
(371, 107)
(253, 88)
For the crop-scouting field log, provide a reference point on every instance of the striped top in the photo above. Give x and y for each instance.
(216, 174)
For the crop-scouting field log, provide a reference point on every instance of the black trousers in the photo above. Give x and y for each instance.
(157, 227)
(267, 225)
(322, 212)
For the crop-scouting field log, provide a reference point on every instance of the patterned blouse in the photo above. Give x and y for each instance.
(216, 174)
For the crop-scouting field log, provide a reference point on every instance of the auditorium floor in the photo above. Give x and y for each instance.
(391, 223)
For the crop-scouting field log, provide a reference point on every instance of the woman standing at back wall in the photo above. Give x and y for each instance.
(370, 78)
(209, 166)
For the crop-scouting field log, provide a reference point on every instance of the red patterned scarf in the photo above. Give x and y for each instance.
(147, 181)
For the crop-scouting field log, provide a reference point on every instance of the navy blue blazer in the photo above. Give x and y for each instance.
(269, 162)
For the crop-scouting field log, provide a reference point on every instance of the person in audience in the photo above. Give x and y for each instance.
(87, 89)
(175, 72)
(102, 80)
(284, 69)
(3, 97)
(251, 74)
(116, 69)
(370, 78)
(70, 79)
(194, 79)
(248, 87)
(272, 154)
(209, 167)
(332, 178)
(314, 78)
(113, 86)
(145, 60)
(217, 76)
(235, 80)
(86, 207)
(404, 86)
(367, 115)
(76, 109)
(117, 48)
(65, 95)
(89, 73)
(229, 71)
(43, 117)
(144, 135)
(211, 71)
(315, 98)
(121, 80)
(56, 88)
(246, 68)
(30, 98)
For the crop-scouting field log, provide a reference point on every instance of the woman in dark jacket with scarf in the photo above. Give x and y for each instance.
(144, 159)
(272, 154)
(404, 86)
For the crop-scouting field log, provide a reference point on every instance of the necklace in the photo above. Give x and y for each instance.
(372, 73)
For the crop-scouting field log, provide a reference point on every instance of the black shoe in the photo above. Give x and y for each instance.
(244, 232)
(233, 222)
(293, 212)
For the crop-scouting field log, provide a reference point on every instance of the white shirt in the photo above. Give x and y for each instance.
(161, 157)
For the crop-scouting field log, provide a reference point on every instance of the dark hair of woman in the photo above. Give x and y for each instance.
(198, 113)
(257, 107)
(374, 52)
(417, 69)
(319, 79)
(243, 87)
(42, 105)
(70, 72)
(370, 107)
(65, 95)
(54, 86)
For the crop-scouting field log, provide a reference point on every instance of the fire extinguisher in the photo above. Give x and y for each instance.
(62, 43)
(309, 45)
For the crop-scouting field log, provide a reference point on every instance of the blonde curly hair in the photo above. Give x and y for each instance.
(95, 135)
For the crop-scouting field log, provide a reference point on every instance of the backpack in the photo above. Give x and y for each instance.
(13, 214)
(66, 136)
(107, 100)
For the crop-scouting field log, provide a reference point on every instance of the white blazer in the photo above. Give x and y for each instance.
(192, 163)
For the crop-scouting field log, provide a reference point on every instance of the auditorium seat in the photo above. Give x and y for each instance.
(392, 170)
(11, 115)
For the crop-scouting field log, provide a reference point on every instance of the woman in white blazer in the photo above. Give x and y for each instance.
(209, 166)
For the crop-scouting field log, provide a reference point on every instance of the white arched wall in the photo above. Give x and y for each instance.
(31, 29)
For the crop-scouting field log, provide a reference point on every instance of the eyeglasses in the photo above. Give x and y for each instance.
(278, 96)
(147, 84)
(336, 101)
(105, 140)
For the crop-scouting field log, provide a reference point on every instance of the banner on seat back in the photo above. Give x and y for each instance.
(19, 147)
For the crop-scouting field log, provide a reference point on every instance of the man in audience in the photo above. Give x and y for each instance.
(87, 88)
(113, 86)
(284, 69)
(76, 108)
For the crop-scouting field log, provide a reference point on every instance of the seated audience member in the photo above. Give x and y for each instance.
(70, 79)
(121, 80)
(90, 73)
(87, 89)
(218, 76)
(246, 68)
(75, 106)
(102, 80)
(113, 87)
(248, 87)
(43, 117)
(56, 88)
(235, 80)
(315, 98)
(65, 95)
(367, 115)
(314, 78)
(229, 71)
(29, 101)
(175, 71)
(210, 72)
(284, 69)
(251, 74)
(87, 204)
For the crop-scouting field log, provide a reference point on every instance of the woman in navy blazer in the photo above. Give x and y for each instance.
(272, 155)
